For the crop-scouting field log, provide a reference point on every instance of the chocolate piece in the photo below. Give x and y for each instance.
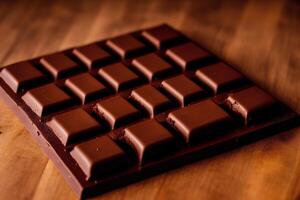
(152, 66)
(200, 120)
(183, 89)
(99, 156)
(188, 55)
(46, 99)
(86, 87)
(59, 65)
(59, 122)
(119, 76)
(116, 111)
(219, 77)
(250, 103)
(149, 139)
(73, 125)
(151, 99)
(21, 75)
(161, 36)
(126, 46)
(91, 55)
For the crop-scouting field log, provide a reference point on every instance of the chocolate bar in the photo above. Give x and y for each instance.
(126, 108)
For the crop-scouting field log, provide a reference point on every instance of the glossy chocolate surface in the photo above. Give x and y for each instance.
(21, 75)
(161, 36)
(198, 120)
(151, 99)
(183, 89)
(220, 77)
(152, 66)
(250, 102)
(46, 99)
(86, 87)
(99, 156)
(125, 45)
(59, 65)
(116, 110)
(118, 76)
(91, 55)
(188, 55)
(149, 138)
(74, 124)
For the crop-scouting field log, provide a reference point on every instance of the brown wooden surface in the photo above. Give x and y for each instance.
(262, 38)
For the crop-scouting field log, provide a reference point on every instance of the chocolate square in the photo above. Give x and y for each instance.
(161, 36)
(92, 55)
(220, 77)
(200, 121)
(126, 46)
(152, 66)
(22, 76)
(250, 103)
(73, 125)
(188, 55)
(150, 99)
(46, 99)
(59, 65)
(116, 111)
(86, 87)
(183, 89)
(119, 76)
(99, 157)
(149, 139)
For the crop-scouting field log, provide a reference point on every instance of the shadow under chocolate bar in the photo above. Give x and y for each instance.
(117, 111)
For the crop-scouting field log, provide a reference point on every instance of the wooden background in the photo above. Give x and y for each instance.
(261, 37)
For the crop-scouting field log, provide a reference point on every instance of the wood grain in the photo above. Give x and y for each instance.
(261, 38)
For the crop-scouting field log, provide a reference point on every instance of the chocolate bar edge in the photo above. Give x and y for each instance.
(39, 138)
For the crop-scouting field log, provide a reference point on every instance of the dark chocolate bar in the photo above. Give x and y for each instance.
(123, 109)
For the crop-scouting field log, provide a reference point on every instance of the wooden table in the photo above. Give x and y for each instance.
(261, 38)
